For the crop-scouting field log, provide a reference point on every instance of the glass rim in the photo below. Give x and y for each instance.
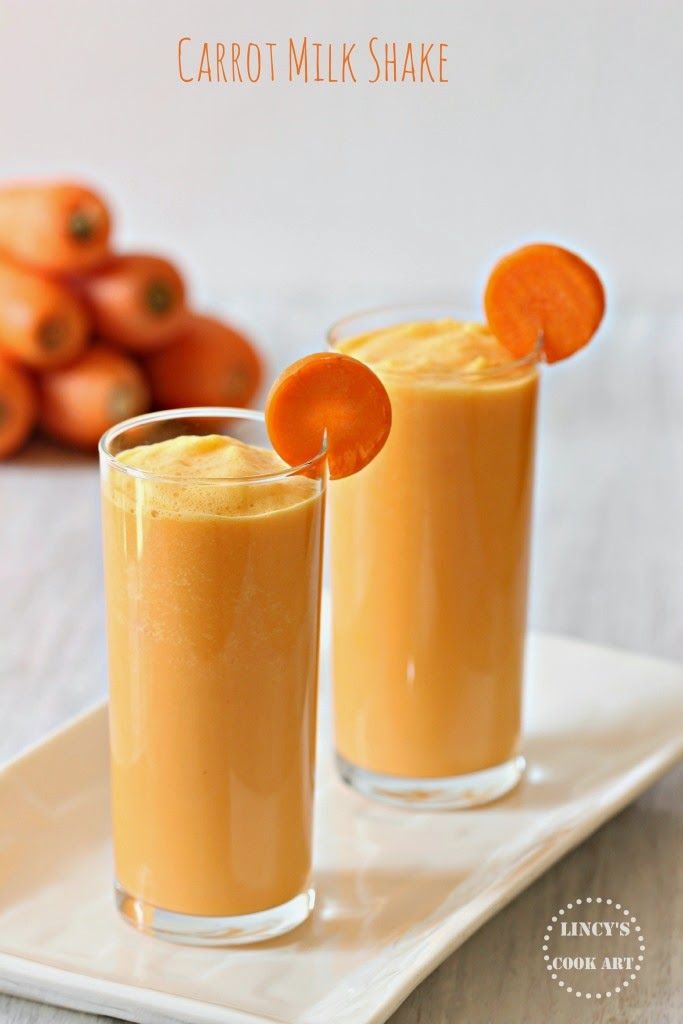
(197, 412)
(333, 338)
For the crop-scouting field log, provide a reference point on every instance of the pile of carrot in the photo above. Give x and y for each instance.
(89, 336)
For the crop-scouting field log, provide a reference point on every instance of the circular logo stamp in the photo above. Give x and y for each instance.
(593, 948)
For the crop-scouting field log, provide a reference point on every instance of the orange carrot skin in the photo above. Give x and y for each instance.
(82, 400)
(41, 323)
(137, 301)
(543, 291)
(61, 227)
(212, 364)
(18, 407)
(332, 394)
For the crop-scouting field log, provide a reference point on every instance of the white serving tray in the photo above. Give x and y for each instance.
(397, 892)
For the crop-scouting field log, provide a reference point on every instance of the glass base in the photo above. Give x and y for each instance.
(442, 794)
(214, 931)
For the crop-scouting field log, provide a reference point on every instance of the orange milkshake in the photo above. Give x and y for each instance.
(212, 551)
(430, 551)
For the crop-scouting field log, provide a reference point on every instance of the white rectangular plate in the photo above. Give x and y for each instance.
(397, 892)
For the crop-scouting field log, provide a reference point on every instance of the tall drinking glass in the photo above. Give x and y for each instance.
(430, 551)
(213, 597)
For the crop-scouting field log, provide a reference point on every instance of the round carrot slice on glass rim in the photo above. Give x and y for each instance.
(332, 394)
(543, 289)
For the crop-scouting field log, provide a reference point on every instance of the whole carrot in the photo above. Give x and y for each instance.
(211, 364)
(56, 226)
(82, 400)
(137, 301)
(18, 407)
(41, 323)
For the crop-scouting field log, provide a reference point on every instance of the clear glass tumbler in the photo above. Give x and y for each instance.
(213, 599)
(430, 552)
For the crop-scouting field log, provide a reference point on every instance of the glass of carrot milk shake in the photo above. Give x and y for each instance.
(430, 542)
(430, 549)
(212, 551)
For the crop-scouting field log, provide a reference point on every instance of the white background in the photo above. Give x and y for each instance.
(560, 121)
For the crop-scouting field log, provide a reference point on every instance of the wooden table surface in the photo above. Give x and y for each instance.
(608, 567)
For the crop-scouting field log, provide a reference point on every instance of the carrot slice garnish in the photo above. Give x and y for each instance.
(544, 290)
(333, 394)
